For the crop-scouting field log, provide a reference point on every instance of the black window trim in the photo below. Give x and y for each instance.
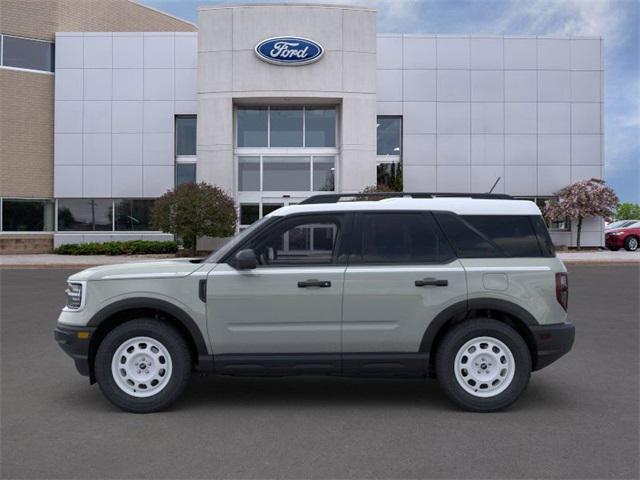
(355, 232)
(345, 220)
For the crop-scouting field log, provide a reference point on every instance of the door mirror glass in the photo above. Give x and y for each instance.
(246, 260)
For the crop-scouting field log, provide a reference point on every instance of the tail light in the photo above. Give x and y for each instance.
(562, 289)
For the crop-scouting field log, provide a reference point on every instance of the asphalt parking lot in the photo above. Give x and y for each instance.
(578, 418)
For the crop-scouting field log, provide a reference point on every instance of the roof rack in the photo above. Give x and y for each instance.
(352, 197)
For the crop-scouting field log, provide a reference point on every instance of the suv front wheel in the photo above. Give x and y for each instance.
(143, 365)
(483, 365)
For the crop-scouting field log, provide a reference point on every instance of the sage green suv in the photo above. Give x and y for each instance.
(464, 288)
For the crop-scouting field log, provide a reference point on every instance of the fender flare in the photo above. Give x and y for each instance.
(156, 304)
(459, 310)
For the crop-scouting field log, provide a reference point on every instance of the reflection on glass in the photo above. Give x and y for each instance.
(133, 215)
(25, 53)
(84, 215)
(185, 173)
(249, 174)
(286, 127)
(324, 174)
(252, 127)
(286, 173)
(249, 213)
(267, 208)
(27, 215)
(320, 127)
(186, 135)
(389, 132)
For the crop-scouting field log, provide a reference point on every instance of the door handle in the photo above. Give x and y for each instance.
(314, 283)
(431, 282)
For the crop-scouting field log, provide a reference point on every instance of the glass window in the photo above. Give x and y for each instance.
(301, 241)
(286, 173)
(512, 233)
(562, 225)
(252, 127)
(186, 135)
(185, 173)
(324, 169)
(286, 127)
(249, 174)
(22, 215)
(400, 238)
(467, 241)
(25, 53)
(389, 132)
(249, 213)
(133, 215)
(320, 127)
(267, 208)
(85, 215)
(389, 174)
(544, 239)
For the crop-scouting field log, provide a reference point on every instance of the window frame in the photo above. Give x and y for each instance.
(268, 146)
(356, 232)
(54, 220)
(22, 69)
(340, 257)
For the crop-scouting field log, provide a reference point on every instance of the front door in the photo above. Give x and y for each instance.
(289, 308)
(401, 274)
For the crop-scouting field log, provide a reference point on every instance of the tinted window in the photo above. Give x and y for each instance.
(399, 238)
(25, 53)
(27, 215)
(544, 240)
(301, 241)
(186, 135)
(320, 127)
(134, 215)
(468, 243)
(185, 173)
(252, 127)
(389, 133)
(286, 127)
(514, 234)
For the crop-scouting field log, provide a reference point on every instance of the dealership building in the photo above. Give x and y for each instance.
(106, 109)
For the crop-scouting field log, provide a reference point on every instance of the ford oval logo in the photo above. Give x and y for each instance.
(289, 50)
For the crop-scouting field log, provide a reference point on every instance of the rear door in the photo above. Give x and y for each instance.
(401, 274)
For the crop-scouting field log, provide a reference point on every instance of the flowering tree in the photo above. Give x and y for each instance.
(195, 210)
(586, 198)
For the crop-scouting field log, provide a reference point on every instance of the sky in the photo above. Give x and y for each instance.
(617, 21)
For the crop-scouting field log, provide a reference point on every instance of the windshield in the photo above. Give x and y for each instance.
(216, 255)
(621, 224)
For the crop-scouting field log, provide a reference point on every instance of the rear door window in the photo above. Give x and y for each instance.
(514, 234)
(466, 239)
(399, 238)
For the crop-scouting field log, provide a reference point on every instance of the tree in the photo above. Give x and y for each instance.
(195, 210)
(586, 198)
(628, 211)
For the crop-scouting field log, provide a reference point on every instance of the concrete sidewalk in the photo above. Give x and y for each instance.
(85, 261)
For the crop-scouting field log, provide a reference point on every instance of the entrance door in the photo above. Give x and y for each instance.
(289, 308)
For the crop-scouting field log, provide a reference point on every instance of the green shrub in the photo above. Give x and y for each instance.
(133, 247)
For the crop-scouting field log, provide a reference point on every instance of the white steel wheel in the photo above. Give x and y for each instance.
(141, 367)
(484, 367)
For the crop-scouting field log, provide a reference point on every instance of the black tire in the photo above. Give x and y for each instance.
(170, 338)
(631, 243)
(456, 338)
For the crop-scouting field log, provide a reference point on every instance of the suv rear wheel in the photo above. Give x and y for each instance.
(483, 365)
(143, 365)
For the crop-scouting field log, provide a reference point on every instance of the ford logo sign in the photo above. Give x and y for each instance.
(289, 51)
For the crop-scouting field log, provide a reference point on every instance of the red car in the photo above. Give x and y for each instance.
(627, 237)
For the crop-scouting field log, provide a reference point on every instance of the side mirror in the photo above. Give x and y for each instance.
(246, 260)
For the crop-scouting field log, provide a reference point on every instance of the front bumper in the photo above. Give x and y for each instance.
(75, 343)
(552, 342)
(616, 241)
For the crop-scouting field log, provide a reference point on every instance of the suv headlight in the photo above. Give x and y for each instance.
(75, 295)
